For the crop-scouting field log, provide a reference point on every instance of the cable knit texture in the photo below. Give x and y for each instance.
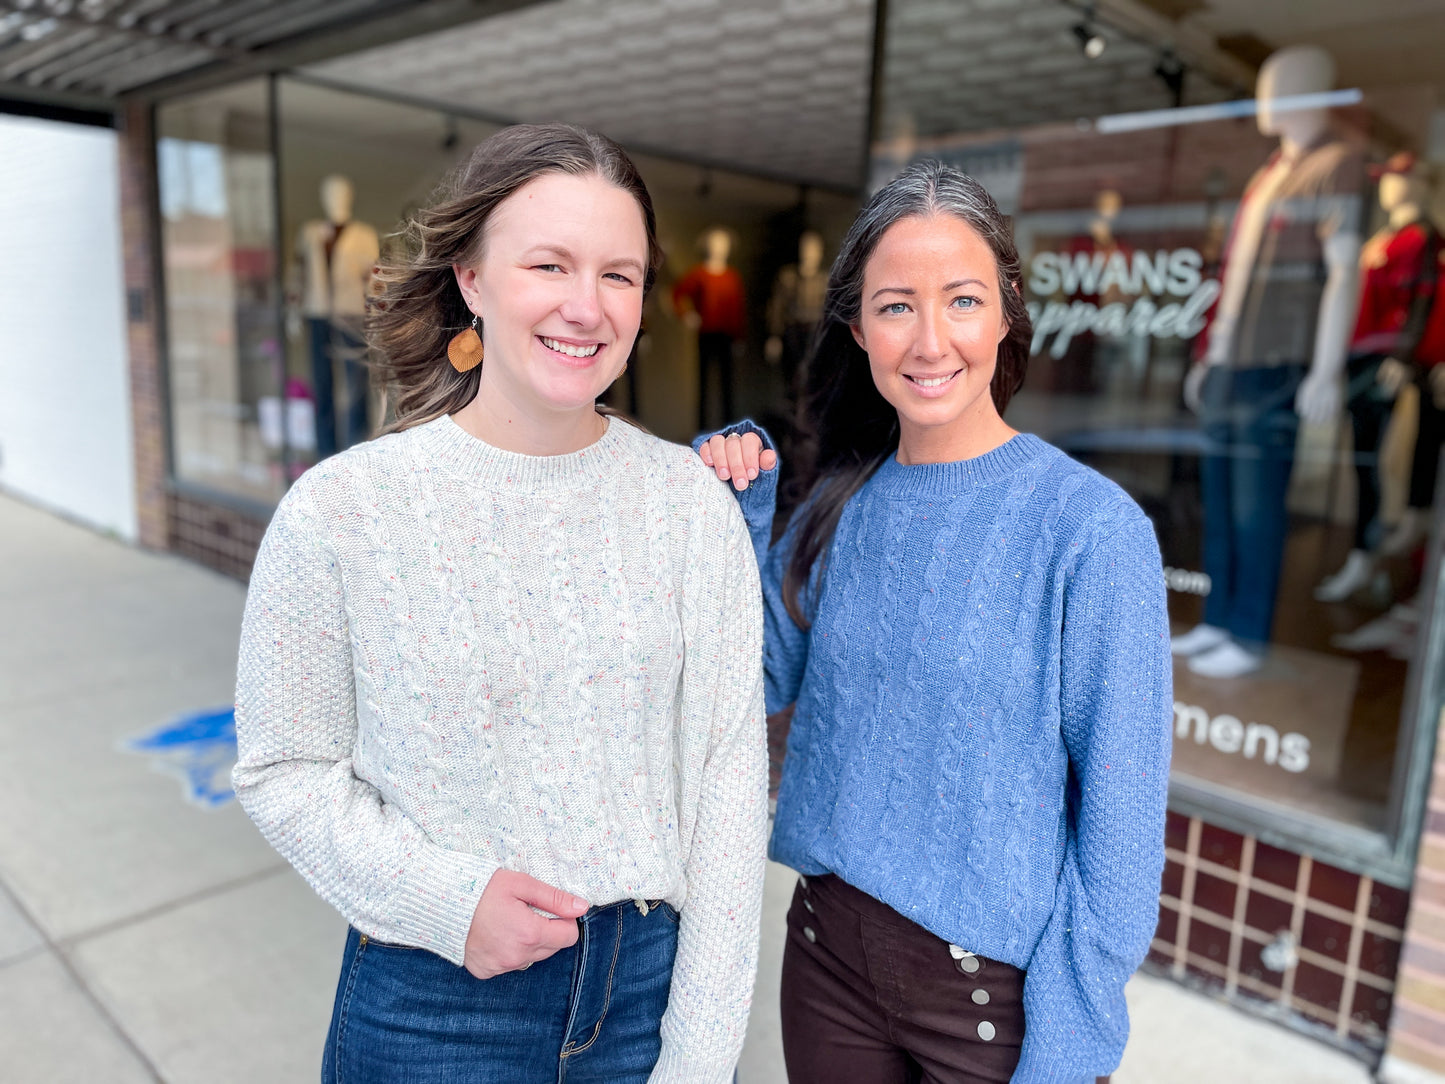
(982, 732)
(457, 659)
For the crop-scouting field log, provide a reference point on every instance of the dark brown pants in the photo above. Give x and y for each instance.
(872, 998)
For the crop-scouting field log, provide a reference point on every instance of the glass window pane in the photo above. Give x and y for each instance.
(353, 167)
(1186, 272)
(392, 154)
(216, 179)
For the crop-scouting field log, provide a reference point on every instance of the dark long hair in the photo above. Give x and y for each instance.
(848, 428)
(420, 307)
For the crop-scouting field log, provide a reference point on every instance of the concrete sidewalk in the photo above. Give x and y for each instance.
(148, 933)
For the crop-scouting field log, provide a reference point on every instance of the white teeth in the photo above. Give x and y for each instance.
(570, 350)
(932, 383)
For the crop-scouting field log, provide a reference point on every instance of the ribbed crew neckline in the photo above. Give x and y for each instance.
(896, 479)
(478, 463)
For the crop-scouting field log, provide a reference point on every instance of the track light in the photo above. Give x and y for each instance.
(1090, 40)
(1170, 70)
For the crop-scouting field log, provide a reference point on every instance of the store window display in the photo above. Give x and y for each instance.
(216, 186)
(334, 259)
(1276, 351)
(1402, 328)
(712, 302)
(795, 308)
(1400, 268)
(1211, 257)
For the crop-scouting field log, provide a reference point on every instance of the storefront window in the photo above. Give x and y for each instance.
(352, 168)
(1211, 295)
(216, 178)
(746, 259)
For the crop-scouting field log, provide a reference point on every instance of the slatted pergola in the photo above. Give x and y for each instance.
(91, 54)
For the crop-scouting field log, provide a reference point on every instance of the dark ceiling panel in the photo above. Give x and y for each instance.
(90, 54)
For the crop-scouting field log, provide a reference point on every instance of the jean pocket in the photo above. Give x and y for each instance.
(371, 943)
(669, 912)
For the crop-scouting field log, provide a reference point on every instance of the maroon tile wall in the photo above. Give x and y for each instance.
(1232, 910)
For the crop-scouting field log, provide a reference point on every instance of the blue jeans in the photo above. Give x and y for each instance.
(334, 345)
(590, 1013)
(1249, 420)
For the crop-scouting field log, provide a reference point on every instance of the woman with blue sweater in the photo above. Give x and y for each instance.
(972, 627)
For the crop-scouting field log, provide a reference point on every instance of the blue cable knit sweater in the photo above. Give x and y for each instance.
(983, 724)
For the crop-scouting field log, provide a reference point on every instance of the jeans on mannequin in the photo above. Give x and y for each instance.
(714, 351)
(1250, 428)
(334, 346)
(1370, 408)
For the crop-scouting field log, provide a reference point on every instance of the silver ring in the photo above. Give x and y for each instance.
(525, 966)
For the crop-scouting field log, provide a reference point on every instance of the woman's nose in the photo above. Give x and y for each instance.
(583, 307)
(931, 338)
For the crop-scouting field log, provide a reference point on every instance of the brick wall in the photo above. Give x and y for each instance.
(218, 537)
(1417, 1028)
(147, 384)
(1064, 168)
(1301, 940)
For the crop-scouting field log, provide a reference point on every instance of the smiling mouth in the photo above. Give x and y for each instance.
(932, 381)
(569, 349)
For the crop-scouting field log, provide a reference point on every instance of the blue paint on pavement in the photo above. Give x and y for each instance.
(198, 749)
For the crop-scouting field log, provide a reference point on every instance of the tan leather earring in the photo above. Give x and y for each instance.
(465, 350)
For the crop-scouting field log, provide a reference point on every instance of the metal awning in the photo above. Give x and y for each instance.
(89, 54)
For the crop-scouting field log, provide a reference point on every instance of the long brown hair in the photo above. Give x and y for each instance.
(419, 306)
(848, 428)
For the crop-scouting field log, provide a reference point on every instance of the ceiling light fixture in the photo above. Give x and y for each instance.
(1091, 41)
(1170, 70)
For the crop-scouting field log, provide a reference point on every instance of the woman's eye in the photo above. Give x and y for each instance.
(966, 302)
(898, 308)
(619, 278)
(547, 267)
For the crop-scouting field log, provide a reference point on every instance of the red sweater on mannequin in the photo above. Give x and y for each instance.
(717, 297)
(1401, 272)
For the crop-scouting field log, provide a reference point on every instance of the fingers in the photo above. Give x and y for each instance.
(717, 456)
(737, 458)
(549, 898)
(752, 446)
(737, 467)
(557, 934)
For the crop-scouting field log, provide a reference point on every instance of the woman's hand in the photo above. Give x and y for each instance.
(738, 458)
(507, 935)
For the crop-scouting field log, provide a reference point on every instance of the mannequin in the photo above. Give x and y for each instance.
(1429, 376)
(1400, 265)
(335, 258)
(710, 300)
(1276, 353)
(795, 308)
(1425, 364)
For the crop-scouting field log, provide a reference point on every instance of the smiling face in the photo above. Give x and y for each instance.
(559, 290)
(931, 322)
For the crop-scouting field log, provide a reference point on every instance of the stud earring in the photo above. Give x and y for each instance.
(465, 350)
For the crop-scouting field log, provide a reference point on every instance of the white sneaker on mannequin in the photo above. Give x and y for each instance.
(1406, 535)
(1200, 638)
(1228, 660)
(1353, 574)
(1394, 632)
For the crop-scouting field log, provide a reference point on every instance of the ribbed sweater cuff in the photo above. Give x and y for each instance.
(435, 907)
(1041, 1065)
(675, 1066)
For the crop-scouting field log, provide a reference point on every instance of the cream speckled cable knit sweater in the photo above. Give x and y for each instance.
(456, 658)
